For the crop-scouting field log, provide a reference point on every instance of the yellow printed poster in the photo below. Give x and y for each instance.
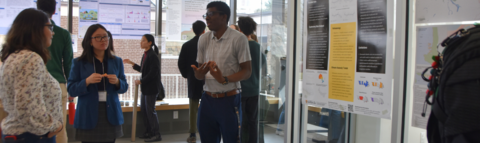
(342, 62)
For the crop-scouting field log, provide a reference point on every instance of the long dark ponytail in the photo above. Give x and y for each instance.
(150, 38)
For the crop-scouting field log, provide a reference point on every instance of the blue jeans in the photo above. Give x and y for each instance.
(337, 126)
(220, 117)
(29, 138)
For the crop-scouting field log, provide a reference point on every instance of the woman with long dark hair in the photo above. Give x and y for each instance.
(97, 77)
(30, 95)
(150, 86)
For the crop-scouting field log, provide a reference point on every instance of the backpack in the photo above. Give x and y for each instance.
(454, 90)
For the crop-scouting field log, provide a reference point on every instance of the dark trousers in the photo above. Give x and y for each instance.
(219, 117)
(150, 119)
(250, 119)
(264, 105)
(29, 138)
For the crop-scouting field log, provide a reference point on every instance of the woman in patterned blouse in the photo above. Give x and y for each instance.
(30, 95)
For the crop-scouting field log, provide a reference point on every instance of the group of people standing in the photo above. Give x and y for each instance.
(38, 73)
(223, 70)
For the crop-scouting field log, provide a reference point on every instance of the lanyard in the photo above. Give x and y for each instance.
(103, 70)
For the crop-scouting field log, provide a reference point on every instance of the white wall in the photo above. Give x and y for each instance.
(372, 130)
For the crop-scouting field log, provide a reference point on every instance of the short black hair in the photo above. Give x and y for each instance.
(48, 6)
(198, 27)
(247, 25)
(221, 6)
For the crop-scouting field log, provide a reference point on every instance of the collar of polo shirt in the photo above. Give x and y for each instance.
(225, 35)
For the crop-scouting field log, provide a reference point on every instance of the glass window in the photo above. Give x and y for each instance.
(321, 124)
(270, 16)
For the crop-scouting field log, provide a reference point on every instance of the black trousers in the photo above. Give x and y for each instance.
(150, 119)
(250, 119)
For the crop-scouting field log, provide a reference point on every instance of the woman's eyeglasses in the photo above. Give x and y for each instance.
(49, 26)
(101, 38)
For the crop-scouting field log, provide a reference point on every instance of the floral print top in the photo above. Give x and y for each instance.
(30, 95)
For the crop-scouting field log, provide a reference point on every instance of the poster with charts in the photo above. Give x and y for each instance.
(9, 9)
(341, 37)
(125, 19)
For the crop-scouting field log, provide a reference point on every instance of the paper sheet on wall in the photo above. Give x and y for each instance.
(125, 19)
(9, 9)
(428, 11)
(346, 56)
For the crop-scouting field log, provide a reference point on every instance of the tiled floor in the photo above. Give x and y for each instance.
(270, 137)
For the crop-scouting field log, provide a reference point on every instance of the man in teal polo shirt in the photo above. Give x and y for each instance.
(251, 86)
(61, 54)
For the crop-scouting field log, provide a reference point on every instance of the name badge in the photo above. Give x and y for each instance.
(102, 96)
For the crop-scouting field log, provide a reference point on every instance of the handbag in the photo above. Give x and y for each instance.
(161, 92)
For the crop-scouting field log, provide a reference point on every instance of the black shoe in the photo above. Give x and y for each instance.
(145, 136)
(154, 139)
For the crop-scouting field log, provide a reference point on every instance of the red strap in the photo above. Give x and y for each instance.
(11, 137)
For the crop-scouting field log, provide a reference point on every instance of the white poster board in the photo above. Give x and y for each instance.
(428, 11)
(9, 9)
(180, 16)
(125, 19)
(348, 56)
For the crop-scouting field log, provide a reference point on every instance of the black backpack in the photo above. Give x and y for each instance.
(454, 90)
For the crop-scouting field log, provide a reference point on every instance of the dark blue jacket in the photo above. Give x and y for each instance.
(86, 116)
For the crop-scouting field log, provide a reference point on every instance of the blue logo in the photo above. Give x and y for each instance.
(365, 83)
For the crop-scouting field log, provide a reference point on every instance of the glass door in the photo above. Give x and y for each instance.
(271, 35)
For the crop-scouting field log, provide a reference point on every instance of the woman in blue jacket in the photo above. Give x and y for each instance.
(97, 77)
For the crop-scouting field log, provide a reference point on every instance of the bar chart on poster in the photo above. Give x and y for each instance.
(346, 53)
(125, 19)
(9, 9)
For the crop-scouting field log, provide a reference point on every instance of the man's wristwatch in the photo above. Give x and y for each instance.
(226, 81)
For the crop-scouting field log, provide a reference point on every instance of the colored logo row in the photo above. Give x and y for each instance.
(374, 84)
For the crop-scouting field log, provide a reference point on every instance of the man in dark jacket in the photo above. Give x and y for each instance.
(188, 57)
